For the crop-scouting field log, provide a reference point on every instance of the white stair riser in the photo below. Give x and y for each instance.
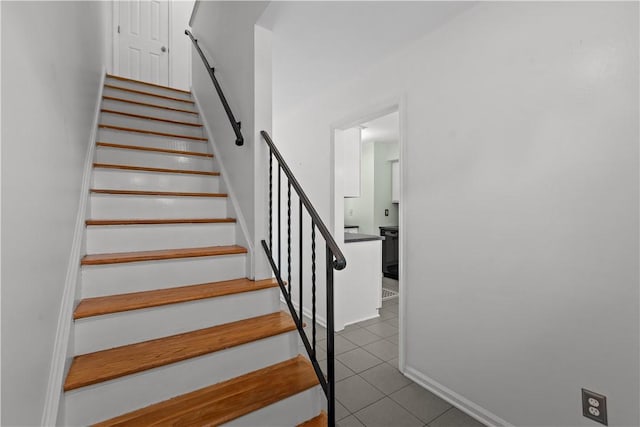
(153, 141)
(147, 88)
(119, 179)
(110, 279)
(118, 156)
(122, 94)
(291, 411)
(126, 238)
(127, 107)
(98, 402)
(109, 206)
(152, 125)
(118, 329)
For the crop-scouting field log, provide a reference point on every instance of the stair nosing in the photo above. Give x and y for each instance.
(284, 324)
(159, 221)
(229, 394)
(152, 132)
(150, 169)
(127, 79)
(154, 193)
(143, 117)
(152, 149)
(141, 92)
(145, 104)
(160, 297)
(161, 255)
(318, 420)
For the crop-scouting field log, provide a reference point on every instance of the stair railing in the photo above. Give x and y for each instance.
(234, 124)
(334, 261)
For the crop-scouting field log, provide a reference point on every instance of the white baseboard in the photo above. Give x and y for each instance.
(231, 194)
(362, 320)
(65, 319)
(475, 411)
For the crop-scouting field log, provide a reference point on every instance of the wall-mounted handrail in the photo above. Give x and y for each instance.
(234, 124)
(339, 262)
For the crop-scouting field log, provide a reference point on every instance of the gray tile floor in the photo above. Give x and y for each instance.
(370, 391)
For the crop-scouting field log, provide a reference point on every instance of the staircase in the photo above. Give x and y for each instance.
(168, 330)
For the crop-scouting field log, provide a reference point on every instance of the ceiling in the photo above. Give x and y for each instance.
(382, 129)
(316, 44)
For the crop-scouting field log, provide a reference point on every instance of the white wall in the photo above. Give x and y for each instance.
(179, 43)
(226, 32)
(52, 59)
(520, 194)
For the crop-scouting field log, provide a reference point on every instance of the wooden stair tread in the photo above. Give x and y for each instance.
(146, 104)
(116, 362)
(141, 92)
(155, 193)
(153, 221)
(151, 132)
(159, 150)
(127, 79)
(319, 421)
(228, 400)
(150, 169)
(159, 119)
(162, 254)
(137, 300)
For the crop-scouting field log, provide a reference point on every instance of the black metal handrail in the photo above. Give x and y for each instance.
(234, 124)
(335, 260)
(340, 261)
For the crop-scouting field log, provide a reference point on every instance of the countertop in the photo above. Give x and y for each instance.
(359, 237)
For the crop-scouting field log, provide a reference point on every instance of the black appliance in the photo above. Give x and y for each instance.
(390, 251)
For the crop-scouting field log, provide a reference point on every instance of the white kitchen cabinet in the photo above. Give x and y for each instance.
(395, 181)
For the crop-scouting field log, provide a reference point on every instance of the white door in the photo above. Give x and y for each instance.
(143, 40)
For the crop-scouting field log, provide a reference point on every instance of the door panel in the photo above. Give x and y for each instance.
(133, 63)
(144, 32)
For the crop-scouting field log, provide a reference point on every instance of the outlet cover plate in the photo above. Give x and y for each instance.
(594, 406)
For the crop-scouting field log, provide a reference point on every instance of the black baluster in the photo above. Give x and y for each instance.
(279, 223)
(271, 200)
(300, 259)
(330, 345)
(313, 286)
(289, 237)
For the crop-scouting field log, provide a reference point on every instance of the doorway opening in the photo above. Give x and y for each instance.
(368, 178)
(367, 159)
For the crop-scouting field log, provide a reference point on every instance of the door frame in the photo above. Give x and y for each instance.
(363, 115)
(115, 36)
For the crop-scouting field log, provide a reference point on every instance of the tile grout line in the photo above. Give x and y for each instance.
(409, 410)
(391, 398)
(440, 415)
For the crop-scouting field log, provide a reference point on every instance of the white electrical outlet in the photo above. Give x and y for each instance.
(594, 406)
